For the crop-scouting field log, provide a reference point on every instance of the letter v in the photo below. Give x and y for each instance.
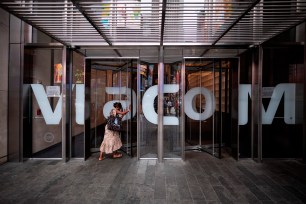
(43, 103)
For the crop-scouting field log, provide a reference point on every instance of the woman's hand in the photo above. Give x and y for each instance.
(126, 111)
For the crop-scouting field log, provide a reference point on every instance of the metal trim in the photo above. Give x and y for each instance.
(162, 29)
(160, 107)
(183, 117)
(260, 64)
(137, 109)
(64, 93)
(160, 23)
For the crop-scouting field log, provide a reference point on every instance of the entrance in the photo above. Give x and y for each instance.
(208, 105)
(112, 80)
(179, 105)
(152, 128)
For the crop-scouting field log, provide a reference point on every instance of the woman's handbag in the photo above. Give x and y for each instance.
(114, 122)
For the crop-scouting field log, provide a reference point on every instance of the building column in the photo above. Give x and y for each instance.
(15, 78)
(304, 108)
(256, 125)
(4, 58)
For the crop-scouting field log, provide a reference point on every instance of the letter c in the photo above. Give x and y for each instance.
(148, 104)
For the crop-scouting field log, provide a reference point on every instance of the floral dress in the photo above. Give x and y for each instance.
(111, 141)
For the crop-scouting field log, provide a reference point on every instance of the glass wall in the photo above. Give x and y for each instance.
(42, 103)
(245, 79)
(172, 121)
(148, 108)
(77, 107)
(270, 124)
(282, 100)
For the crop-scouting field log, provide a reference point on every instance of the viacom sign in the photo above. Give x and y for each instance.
(292, 104)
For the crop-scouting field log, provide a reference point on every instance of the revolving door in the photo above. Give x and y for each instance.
(208, 104)
(111, 80)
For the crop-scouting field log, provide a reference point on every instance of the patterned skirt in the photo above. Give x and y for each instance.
(111, 141)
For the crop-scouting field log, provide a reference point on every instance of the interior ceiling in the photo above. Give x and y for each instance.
(203, 27)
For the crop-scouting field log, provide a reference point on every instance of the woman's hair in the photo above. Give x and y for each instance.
(117, 105)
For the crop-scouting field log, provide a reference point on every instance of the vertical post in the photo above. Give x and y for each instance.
(182, 113)
(220, 109)
(260, 64)
(67, 107)
(15, 84)
(256, 127)
(304, 108)
(254, 111)
(138, 109)
(87, 107)
(64, 94)
(160, 111)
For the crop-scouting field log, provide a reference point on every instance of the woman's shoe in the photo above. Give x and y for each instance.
(118, 155)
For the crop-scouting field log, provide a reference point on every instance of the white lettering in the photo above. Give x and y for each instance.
(291, 115)
(125, 103)
(288, 90)
(190, 106)
(148, 104)
(293, 104)
(79, 103)
(51, 118)
(244, 93)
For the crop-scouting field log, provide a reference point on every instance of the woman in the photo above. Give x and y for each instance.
(112, 142)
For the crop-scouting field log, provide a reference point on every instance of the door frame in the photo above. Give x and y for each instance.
(230, 102)
(87, 83)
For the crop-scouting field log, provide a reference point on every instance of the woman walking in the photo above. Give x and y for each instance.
(111, 141)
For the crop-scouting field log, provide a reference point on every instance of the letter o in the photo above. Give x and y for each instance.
(190, 108)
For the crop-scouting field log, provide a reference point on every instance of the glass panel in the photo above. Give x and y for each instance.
(172, 116)
(147, 91)
(221, 92)
(282, 129)
(122, 79)
(207, 101)
(77, 102)
(94, 141)
(245, 128)
(110, 83)
(43, 98)
(199, 101)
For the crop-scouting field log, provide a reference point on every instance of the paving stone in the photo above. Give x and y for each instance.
(200, 179)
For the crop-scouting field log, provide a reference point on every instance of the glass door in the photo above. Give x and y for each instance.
(207, 123)
(200, 104)
(113, 80)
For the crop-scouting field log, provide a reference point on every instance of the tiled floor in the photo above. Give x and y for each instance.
(199, 179)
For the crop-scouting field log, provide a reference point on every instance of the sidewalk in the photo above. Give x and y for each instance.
(200, 179)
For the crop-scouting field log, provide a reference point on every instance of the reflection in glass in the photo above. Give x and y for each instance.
(42, 103)
(207, 129)
(171, 106)
(77, 134)
(111, 81)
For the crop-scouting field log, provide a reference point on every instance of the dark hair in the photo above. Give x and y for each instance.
(117, 105)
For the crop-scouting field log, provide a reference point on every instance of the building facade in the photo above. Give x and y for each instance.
(238, 100)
